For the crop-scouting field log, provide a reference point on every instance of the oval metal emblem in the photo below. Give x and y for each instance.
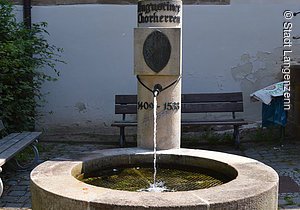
(157, 51)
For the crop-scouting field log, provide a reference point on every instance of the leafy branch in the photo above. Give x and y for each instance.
(27, 60)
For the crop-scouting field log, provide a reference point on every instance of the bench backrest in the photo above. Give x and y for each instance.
(190, 103)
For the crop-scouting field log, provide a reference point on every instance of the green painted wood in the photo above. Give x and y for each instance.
(212, 107)
(126, 109)
(8, 138)
(190, 98)
(189, 108)
(116, 2)
(224, 122)
(124, 123)
(126, 99)
(11, 148)
(11, 139)
(188, 123)
(190, 103)
(212, 97)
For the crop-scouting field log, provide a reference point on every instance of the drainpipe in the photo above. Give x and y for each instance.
(27, 13)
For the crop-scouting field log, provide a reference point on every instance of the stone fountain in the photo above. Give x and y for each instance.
(252, 185)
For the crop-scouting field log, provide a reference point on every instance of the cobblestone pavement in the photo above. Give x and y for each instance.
(284, 159)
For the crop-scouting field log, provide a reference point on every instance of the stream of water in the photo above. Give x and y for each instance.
(156, 186)
(154, 139)
(136, 178)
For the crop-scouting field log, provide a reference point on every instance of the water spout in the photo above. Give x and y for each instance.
(157, 89)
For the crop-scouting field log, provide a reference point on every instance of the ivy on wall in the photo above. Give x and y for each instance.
(27, 60)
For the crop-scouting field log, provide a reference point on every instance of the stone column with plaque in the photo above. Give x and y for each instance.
(157, 65)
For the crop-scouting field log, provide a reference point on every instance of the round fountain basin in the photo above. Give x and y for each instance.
(251, 184)
(168, 178)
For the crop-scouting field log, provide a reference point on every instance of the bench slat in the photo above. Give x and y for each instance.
(212, 107)
(126, 99)
(7, 138)
(187, 123)
(212, 97)
(126, 109)
(11, 139)
(229, 122)
(20, 142)
(190, 103)
(124, 123)
(189, 108)
(20, 137)
(190, 98)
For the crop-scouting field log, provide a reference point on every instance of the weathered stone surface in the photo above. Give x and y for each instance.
(168, 121)
(158, 62)
(141, 64)
(1, 187)
(162, 13)
(255, 186)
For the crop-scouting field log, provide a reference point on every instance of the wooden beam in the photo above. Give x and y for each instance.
(118, 2)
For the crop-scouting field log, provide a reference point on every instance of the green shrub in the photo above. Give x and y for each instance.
(27, 60)
(271, 134)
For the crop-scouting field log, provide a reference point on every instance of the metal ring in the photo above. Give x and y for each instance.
(18, 166)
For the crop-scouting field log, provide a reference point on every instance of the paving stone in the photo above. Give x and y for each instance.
(24, 199)
(281, 202)
(285, 160)
(24, 183)
(9, 199)
(296, 200)
(12, 182)
(27, 206)
(19, 188)
(294, 207)
(14, 205)
(17, 193)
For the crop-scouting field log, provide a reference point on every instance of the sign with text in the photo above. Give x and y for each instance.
(159, 13)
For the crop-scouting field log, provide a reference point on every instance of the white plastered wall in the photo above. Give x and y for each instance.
(225, 49)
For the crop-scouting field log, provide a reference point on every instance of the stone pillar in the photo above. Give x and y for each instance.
(157, 63)
(293, 126)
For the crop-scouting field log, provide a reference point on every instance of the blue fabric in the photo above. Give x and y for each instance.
(274, 113)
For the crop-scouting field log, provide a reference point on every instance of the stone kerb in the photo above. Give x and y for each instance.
(255, 186)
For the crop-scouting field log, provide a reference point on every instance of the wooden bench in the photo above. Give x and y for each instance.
(190, 103)
(14, 143)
